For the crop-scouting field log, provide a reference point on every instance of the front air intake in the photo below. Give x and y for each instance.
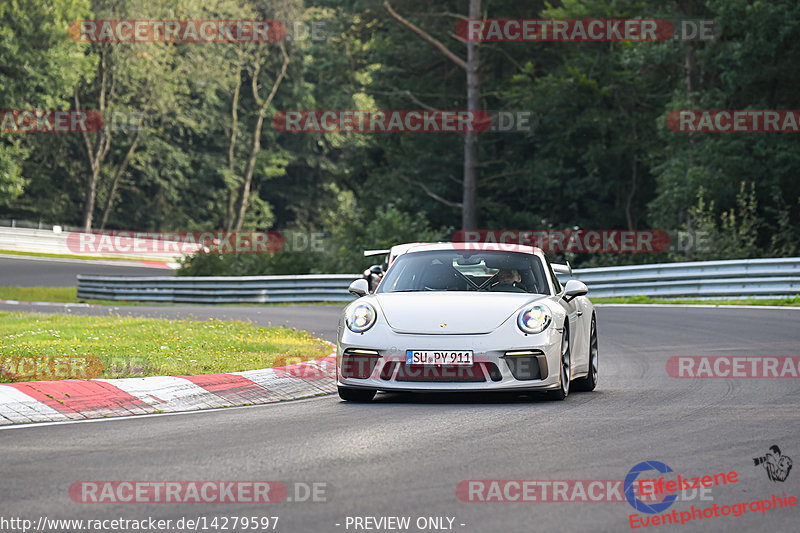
(526, 365)
(359, 363)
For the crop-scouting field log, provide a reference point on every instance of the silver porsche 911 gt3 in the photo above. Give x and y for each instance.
(467, 317)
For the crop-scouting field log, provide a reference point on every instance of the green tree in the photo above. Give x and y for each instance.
(39, 65)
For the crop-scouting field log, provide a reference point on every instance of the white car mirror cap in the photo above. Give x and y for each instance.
(359, 288)
(575, 288)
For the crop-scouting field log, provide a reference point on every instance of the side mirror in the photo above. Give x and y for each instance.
(562, 269)
(574, 288)
(359, 288)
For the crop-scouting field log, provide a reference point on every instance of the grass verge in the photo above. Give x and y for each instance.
(784, 302)
(57, 295)
(70, 295)
(40, 294)
(31, 344)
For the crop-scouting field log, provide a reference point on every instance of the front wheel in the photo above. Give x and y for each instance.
(590, 381)
(356, 395)
(566, 370)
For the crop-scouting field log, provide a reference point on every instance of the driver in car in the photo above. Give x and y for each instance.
(507, 277)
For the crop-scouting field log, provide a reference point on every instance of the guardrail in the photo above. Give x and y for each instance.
(740, 278)
(27, 224)
(219, 290)
(737, 278)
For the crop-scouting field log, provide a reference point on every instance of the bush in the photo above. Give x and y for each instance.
(351, 231)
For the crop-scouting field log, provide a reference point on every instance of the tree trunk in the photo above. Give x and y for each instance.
(631, 194)
(248, 175)
(97, 153)
(469, 210)
(123, 166)
(256, 148)
(231, 208)
(90, 194)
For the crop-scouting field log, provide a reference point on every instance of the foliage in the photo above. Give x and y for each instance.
(351, 231)
(599, 157)
(39, 65)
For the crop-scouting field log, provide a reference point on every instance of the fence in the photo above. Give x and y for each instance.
(741, 278)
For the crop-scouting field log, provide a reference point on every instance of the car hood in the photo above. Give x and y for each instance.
(450, 313)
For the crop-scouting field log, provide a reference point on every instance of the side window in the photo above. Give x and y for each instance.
(556, 283)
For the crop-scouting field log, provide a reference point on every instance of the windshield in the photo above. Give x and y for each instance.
(457, 270)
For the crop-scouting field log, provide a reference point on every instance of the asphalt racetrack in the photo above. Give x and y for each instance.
(405, 455)
(25, 271)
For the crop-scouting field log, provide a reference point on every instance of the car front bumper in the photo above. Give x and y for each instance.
(376, 360)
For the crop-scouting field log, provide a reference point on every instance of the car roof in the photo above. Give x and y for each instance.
(434, 246)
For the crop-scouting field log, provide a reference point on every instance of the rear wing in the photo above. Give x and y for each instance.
(369, 253)
(392, 253)
(558, 268)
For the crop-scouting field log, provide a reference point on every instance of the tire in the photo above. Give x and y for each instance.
(590, 381)
(565, 369)
(356, 395)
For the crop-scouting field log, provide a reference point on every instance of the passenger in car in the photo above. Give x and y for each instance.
(441, 277)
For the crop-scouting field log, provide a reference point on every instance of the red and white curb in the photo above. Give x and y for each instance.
(74, 399)
(161, 264)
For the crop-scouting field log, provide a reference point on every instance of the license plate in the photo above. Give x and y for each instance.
(444, 357)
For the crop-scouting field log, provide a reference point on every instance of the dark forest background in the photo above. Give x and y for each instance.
(180, 151)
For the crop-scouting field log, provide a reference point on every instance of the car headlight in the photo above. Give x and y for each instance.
(360, 318)
(534, 319)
